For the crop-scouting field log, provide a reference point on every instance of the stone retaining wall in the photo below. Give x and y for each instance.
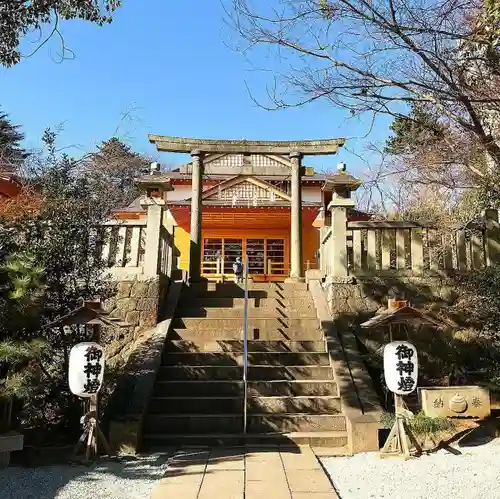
(351, 304)
(364, 297)
(138, 304)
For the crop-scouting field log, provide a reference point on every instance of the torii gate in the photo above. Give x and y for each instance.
(198, 148)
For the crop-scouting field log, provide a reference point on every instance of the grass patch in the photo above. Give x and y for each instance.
(421, 424)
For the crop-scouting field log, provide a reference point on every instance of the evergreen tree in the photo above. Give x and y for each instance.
(419, 128)
(113, 168)
(11, 152)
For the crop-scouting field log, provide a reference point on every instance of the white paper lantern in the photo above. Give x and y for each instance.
(86, 369)
(400, 367)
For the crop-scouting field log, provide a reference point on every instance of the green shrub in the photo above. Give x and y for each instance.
(420, 424)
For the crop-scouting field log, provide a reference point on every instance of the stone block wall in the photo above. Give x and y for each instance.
(353, 303)
(364, 297)
(138, 304)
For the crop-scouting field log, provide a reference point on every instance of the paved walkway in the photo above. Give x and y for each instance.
(245, 473)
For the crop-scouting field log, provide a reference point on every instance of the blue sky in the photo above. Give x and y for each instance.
(169, 64)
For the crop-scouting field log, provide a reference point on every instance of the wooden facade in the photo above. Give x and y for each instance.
(246, 212)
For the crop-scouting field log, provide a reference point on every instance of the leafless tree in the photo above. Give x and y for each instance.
(379, 56)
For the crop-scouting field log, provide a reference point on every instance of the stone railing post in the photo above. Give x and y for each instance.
(154, 206)
(156, 185)
(338, 208)
(341, 186)
(492, 237)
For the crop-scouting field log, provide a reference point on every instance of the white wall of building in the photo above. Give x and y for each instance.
(179, 193)
(311, 194)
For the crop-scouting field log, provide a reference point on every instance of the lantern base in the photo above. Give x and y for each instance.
(92, 437)
(400, 441)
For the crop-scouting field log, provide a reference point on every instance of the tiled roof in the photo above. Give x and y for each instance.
(176, 175)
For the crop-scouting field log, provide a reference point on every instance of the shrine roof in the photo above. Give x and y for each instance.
(315, 178)
(86, 315)
(403, 315)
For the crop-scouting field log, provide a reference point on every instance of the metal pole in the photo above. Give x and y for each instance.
(245, 348)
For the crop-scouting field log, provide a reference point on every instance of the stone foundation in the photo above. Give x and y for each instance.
(138, 304)
(366, 296)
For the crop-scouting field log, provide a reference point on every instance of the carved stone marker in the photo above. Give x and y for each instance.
(456, 401)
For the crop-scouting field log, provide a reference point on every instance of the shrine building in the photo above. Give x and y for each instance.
(245, 206)
(10, 184)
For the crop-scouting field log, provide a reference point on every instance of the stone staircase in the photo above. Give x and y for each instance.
(198, 396)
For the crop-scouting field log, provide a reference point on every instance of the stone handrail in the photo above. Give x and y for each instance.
(405, 248)
(360, 404)
(131, 255)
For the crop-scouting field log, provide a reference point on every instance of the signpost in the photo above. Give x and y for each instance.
(245, 349)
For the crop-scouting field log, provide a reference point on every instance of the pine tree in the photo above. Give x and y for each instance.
(420, 127)
(11, 152)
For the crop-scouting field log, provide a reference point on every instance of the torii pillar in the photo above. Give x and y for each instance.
(195, 242)
(296, 248)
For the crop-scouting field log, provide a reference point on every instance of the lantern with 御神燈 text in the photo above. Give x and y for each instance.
(86, 369)
(400, 367)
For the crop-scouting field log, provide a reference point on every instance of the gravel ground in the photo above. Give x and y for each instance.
(132, 478)
(472, 475)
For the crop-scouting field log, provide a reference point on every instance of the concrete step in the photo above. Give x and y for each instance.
(294, 422)
(233, 423)
(183, 388)
(216, 334)
(256, 290)
(305, 302)
(231, 325)
(257, 373)
(237, 346)
(232, 286)
(329, 439)
(238, 313)
(196, 405)
(254, 358)
(253, 294)
(292, 388)
(298, 404)
(234, 388)
(234, 405)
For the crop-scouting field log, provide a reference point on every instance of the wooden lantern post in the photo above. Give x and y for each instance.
(400, 440)
(90, 314)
